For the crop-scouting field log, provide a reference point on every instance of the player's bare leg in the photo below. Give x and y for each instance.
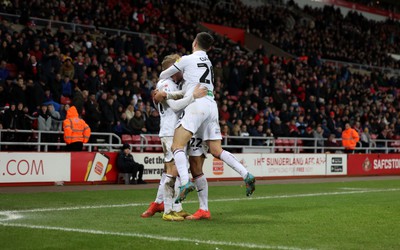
(181, 138)
(217, 151)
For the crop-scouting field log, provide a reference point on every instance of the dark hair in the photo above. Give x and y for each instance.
(204, 40)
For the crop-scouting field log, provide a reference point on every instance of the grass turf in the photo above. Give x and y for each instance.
(337, 215)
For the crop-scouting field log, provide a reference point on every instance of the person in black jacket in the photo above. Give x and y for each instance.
(126, 164)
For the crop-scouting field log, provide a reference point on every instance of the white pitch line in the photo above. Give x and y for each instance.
(9, 215)
(155, 237)
(215, 200)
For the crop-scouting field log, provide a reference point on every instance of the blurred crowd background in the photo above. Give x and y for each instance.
(109, 78)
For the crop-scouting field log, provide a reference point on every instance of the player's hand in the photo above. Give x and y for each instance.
(199, 91)
(159, 96)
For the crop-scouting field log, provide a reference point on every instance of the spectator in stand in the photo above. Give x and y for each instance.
(66, 87)
(258, 132)
(109, 115)
(44, 119)
(331, 123)
(79, 99)
(34, 69)
(92, 113)
(55, 118)
(381, 141)
(137, 124)
(301, 125)
(296, 80)
(126, 164)
(277, 128)
(319, 138)
(153, 122)
(122, 126)
(92, 83)
(130, 112)
(308, 140)
(331, 145)
(76, 131)
(293, 130)
(350, 139)
(224, 114)
(56, 124)
(225, 130)
(10, 121)
(4, 72)
(365, 139)
(44, 122)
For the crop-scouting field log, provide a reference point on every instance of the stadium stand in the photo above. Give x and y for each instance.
(106, 73)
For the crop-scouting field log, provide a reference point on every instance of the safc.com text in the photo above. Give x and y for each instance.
(21, 167)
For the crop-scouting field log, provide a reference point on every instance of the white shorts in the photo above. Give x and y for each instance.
(166, 143)
(197, 147)
(201, 118)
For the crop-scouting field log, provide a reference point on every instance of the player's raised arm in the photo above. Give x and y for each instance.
(169, 72)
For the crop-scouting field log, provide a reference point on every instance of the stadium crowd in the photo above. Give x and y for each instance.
(110, 78)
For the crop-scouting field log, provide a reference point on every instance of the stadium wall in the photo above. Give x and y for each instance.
(100, 168)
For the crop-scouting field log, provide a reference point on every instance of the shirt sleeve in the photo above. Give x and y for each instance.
(178, 105)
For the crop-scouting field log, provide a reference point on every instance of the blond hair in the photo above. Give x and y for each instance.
(169, 60)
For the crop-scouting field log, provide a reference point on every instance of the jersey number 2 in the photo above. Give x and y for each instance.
(208, 70)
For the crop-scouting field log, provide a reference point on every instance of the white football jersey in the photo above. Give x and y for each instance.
(168, 117)
(196, 68)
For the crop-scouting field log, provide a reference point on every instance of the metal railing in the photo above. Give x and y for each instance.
(36, 140)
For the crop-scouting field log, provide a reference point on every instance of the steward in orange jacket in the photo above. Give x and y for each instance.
(76, 131)
(350, 138)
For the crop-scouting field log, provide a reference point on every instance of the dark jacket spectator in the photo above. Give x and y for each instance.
(126, 164)
(109, 116)
(153, 122)
(137, 124)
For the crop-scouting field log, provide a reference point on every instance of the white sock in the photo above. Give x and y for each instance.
(202, 191)
(160, 191)
(168, 193)
(177, 207)
(232, 162)
(181, 163)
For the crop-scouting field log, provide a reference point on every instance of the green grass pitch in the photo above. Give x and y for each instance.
(336, 215)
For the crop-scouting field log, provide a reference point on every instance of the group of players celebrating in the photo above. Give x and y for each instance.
(189, 126)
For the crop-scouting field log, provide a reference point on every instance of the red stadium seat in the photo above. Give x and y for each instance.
(155, 140)
(279, 145)
(300, 145)
(286, 144)
(65, 100)
(136, 140)
(126, 139)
